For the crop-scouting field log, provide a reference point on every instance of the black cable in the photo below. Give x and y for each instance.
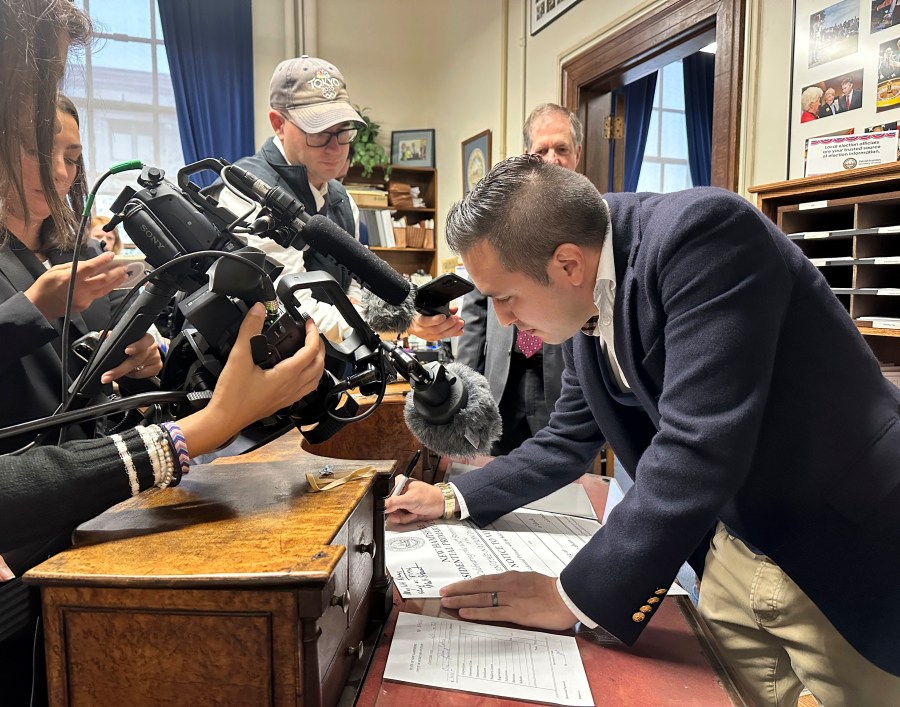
(99, 410)
(76, 253)
(371, 410)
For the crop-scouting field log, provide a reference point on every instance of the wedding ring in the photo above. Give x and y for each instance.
(495, 600)
(138, 368)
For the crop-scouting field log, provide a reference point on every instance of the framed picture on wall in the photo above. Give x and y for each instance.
(845, 80)
(543, 12)
(476, 159)
(412, 148)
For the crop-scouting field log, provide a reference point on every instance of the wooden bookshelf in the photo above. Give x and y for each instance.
(406, 260)
(848, 225)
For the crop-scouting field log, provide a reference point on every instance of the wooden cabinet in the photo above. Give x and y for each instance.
(238, 587)
(409, 258)
(848, 225)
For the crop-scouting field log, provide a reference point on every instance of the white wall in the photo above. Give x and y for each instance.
(470, 65)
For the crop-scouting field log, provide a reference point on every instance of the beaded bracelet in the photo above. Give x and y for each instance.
(179, 449)
(159, 455)
(449, 501)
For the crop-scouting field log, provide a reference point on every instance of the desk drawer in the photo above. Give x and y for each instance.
(361, 551)
(348, 655)
(352, 582)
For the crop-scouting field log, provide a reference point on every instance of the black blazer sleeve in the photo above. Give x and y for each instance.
(23, 329)
(50, 489)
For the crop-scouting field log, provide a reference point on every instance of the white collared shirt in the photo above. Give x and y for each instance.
(601, 326)
(605, 298)
(326, 316)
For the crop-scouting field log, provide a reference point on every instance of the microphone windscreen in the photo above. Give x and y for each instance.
(326, 237)
(387, 318)
(471, 431)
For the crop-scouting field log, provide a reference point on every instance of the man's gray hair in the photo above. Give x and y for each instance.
(525, 209)
(547, 109)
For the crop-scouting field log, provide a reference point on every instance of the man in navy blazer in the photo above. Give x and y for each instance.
(741, 399)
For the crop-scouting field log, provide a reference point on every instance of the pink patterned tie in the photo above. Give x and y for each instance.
(528, 344)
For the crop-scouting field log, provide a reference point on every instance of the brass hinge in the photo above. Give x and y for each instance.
(613, 128)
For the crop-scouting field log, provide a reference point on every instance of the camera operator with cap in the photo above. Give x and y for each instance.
(314, 124)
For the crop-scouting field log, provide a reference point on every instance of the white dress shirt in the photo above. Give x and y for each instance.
(600, 326)
(326, 316)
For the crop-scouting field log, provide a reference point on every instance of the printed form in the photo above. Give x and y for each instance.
(490, 660)
(425, 556)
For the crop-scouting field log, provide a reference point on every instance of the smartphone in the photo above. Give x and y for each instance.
(136, 270)
(434, 297)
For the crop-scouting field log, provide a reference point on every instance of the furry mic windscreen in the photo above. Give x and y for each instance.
(478, 422)
(387, 318)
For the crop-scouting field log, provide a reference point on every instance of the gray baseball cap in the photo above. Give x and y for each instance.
(313, 93)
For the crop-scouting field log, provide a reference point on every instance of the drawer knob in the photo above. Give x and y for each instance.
(368, 548)
(356, 650)
(342, 600)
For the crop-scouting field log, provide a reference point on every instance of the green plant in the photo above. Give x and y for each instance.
(367, 153)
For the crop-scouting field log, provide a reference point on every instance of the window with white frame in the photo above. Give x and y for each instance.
(665, 167)
(123, 91)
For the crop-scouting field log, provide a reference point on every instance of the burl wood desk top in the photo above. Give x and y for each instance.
(240, 519)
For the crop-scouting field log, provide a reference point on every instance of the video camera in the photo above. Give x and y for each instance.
(200, 260)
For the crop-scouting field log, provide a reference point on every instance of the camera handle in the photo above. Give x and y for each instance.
(362, 341)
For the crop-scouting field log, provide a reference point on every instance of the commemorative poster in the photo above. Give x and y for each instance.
(845, 80)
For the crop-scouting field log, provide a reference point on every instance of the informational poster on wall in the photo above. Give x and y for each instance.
(845, 82)
(836, 154)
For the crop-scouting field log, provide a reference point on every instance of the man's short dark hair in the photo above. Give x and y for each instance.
(525, 209)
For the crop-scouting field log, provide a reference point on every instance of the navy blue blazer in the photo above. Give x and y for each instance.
(761, 406)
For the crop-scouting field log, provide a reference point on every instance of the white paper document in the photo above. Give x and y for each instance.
(572, 500)
(425, 556)
(490, 660)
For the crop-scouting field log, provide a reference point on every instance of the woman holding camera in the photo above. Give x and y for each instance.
(49, 489)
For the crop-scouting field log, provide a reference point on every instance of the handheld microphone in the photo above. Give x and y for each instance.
(387, 318)
(455, 414)
(451, 409)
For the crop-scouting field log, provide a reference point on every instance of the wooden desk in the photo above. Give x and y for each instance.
(674, 662)
(238, 587)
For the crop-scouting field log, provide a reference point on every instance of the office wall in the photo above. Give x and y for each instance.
(471, 65)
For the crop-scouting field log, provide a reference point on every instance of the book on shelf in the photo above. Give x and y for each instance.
(367, 197)
(880, 322)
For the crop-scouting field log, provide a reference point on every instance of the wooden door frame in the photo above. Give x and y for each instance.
(648, 44)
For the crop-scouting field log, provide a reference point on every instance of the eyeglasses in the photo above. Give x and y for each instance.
(343, 137)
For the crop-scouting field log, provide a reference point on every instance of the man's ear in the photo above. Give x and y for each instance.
(277, 121)
(568, 263)
(577, 155)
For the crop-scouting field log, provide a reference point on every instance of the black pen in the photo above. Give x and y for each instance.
(404, 477)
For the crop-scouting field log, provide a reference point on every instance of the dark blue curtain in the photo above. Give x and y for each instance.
(638, 107)
(210, 48)
(699, 78)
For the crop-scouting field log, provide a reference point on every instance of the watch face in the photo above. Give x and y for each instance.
(475, 168)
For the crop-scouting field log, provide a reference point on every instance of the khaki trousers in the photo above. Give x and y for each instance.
(777, 640)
